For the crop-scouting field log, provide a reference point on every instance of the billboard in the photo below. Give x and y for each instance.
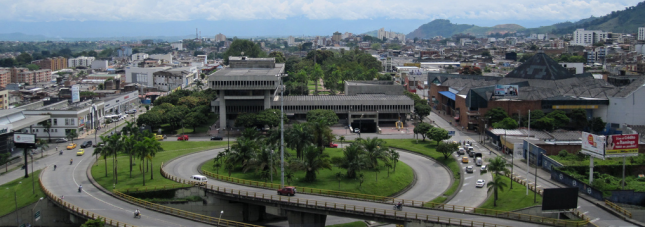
(560, 198)
(24, 138)
(621, 145)
(76, 96)
(593, 145)
(506, 90)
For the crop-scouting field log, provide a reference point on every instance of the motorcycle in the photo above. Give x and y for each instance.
(137, 215)
(396, 207)
(80, 189)
(60, 153)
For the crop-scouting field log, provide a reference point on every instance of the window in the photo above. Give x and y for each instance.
(66, 121)
(55, 121)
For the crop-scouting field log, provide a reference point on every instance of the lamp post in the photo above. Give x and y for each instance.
(271, 166)
(32, 209)
(360, 127)
(220, 217)
(281, 129)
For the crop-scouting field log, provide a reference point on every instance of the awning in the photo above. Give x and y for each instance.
(448, 94)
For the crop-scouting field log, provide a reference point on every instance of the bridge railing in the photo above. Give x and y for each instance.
(181, 213)
(618, 208)
(77, 210)
(406, 202)
(378, 211)
(154, 188)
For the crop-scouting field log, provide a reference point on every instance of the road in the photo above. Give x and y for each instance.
(186, 166)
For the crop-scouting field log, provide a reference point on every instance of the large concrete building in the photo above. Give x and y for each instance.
(588, 37)
(53, 64)
(80, 61)
(32, 77)
(251, 85)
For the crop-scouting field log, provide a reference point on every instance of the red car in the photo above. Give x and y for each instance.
(184, 138)
(288, 191)
(333, 145)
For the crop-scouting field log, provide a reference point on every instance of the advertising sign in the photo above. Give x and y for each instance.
(24, 138)
(506, 90)
(621, 145)
(593, 145)
(76, 96)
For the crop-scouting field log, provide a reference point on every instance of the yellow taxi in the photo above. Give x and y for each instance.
(80, 152)
(464, 159)
(71, 146)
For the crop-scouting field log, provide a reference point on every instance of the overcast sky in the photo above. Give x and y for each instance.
(479, 12)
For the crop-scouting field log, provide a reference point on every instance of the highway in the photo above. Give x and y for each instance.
(187, 165)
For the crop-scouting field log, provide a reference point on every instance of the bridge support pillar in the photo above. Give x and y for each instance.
(302, 219)
(253, 213)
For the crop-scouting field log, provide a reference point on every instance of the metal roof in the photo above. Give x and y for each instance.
(347, 98)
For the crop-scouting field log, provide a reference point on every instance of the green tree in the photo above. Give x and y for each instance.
(495, 115)
(71, 134)
(263, 160)
(33, 67)
(394, 157)
(497, 184)
(322, 133)
(269, 117)
(353, 160)
(103, 152)
(24, 58)
(376, 46)
(315, 75)
(438, 134)
(246, 120)
(422, 110)
(242, 152)
(312, 162)
(375, 150)
(579, 118)
(298, 137)
(279, 57)
(43, 145)
(560, 118)
(536, 115)
(597, 124)
(195, 119)
(47, 124)
(447, 149)
(339, 177)
(498, 165)
(507, 123)
(422, 129)
(544, 123)
(329, 116)
(98, 222)
(238, 46)
(154, 119)
(4, 160)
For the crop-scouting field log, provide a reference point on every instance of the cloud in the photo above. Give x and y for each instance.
(218, 10)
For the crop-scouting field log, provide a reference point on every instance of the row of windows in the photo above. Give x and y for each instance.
(243, 83)
(344, 108)
(44, 130)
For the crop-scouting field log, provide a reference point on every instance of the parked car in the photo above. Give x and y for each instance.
(86, 144)
(288, 191)
(61, 140)
(183, 138)
(71, 146)
(332, 145)
(469, 169)
(99, 144)
(132, 111)
(217, 138)
(80, 152)
(357, 130)
(480, 183)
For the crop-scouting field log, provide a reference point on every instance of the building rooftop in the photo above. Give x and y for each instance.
(348, 98)
(542, 67)
(250, 71)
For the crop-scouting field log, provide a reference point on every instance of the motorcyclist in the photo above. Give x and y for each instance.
(71, 160)
(80, 188)
(54, 167)
(398, 205)
(137, 212)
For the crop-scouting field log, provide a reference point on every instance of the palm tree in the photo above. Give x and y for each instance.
(341, 138)
(353, 160)
(263, 160)
(42, 143)
(242, 152)
(199, 84)
(498, 165)
(47, 124)
(135, 135)
(375, 150)
(312, 162)
(113, 144)
(142, 154)
(299, 136)
(497, 184)
(322, 132)
(339, 176)
(102, 151)
(394, 157)
(153, 147)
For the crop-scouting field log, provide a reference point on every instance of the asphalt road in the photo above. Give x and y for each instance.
(186, 166)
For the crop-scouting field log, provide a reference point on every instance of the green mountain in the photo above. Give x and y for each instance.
(442, 27)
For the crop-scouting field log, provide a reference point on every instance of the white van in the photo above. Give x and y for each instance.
(478, 161)
(199, 178)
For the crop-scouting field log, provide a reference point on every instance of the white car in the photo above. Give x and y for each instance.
(480, 183)
(484, 168)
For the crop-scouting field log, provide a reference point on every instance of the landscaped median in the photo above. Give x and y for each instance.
(428, 148)
(171, 149)
(23, 188)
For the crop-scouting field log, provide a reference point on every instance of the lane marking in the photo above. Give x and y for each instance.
(595, 220)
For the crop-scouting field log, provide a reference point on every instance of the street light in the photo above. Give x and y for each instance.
(281, 129)
(32, 209)
(220, 217)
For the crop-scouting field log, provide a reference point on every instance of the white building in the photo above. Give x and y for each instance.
(390, 35)
(587, 38)
(220, 37)
(291, 41)
(139, 56)
(100, 64)
(641, 33)
(80, 61)
(165, 58)
(177, 46)
(574, 66)
(142, 76)
(624, 107)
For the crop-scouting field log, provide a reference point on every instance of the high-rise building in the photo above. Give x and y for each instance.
(291, 41)
(80, 61)
(641, 33)
(220, 37)
(5, 77)
(389, 35)
(177, 46)
(53, 64)
(336, 37)
(33, 77)
(587, 38)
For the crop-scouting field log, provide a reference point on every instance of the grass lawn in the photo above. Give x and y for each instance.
(25, 195)
(351, 224)
(511, 199)
(575, 160)
(172, 149)
(428, 148)
(201, 129)
(326, 179)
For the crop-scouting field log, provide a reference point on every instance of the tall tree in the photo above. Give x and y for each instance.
(498, 165)
(422, 110)
(496, 114)
(497, 184)
(322, 133)
(238, 46)
(353, 160)
(422, 129)
(297, 137)
(579, 118)
(328, 115)
(438, 134)
(446, 149)
(47, 124)
(375, 150)
(507, 123)
(312, 162)
(103, 152)
(316, 74)
(279, 57)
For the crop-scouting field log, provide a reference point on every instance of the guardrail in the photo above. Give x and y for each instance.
(87, 214)
(406, 202)
(618, 208)
(377, 211)
(182, 213)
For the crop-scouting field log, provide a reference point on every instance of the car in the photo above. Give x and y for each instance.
(86, 144)
(332, 145)
(461, 151)
(100, 144)
(357, 130)
(484, 168)
(61, 140)
(480, 183)
(464, 159)
(469, 169)
(80, 152)
(288, 191)
(183, 138)
(71, 146)
(132, 111)
(217, 138)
